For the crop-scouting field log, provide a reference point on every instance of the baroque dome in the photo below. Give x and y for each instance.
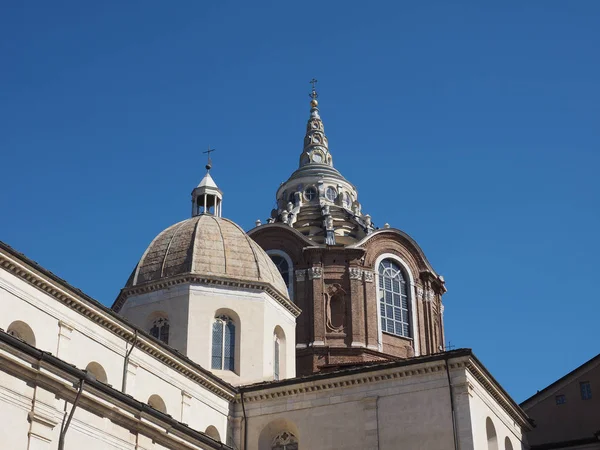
(207, 246)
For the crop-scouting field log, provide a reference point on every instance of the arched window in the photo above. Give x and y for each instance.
(507, 444)
(157, 403)
(285, 441)
(285, 268)
(394, 299)
(22, 331)
(223, 344)
(490, 431)
(160, 329)
(276, 357)
(97, 371)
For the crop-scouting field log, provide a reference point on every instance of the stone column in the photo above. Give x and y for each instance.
(315, 275)
(357, 305)
(303, 322)
(371, 306)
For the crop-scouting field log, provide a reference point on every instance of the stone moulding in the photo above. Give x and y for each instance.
(114, 324)
(375, 375)
(206, 280)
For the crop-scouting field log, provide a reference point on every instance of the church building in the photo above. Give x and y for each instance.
(314, 330)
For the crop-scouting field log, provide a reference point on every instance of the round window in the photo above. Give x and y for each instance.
(310, 193)
(331, 194)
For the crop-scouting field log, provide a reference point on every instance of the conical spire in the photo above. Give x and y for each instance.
(316, 147)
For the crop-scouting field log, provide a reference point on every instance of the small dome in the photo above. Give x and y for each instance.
(207, 245)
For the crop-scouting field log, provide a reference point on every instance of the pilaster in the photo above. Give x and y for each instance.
(357, 306)
(64, 338)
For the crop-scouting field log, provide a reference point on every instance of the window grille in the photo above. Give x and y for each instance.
(223, 344)
(160, 329)
(586, 390)
(393, 299)
(285, 441)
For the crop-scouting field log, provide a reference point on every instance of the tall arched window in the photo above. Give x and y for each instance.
(160, 329)
(223, 344)
(285, 441)
(276, 357)
(284, 265)
(492, 437)
(507, 444)
(394, 299)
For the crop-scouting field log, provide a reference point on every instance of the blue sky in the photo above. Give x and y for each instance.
(473, 127)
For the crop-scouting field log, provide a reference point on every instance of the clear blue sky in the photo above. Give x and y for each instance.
(472, 127)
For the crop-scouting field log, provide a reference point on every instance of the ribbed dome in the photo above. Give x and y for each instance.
(210, 246)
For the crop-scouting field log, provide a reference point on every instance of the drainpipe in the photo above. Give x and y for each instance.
(245, 420)
(377, 418)
(65, 426)
(451, 389)
(126, 361)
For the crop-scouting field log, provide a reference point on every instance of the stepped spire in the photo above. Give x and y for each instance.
(316, 147)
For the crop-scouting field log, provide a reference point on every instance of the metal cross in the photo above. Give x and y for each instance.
(208, 152)
(313, 94)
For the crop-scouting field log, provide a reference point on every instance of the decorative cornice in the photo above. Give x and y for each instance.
(344, 381)
(113, 323)
(205, 280)
(501, 397)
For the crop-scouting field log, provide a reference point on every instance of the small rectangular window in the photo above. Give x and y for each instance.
(561, 400)
(586, 390)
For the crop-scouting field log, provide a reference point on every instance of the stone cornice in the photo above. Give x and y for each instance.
(108, 319)
(205, 280)
(389, 371)
(480, 373)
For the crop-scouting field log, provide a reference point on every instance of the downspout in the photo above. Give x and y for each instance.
(126, 361)
(245, 419)
(377, 418)
(451, 389)
(65, 426)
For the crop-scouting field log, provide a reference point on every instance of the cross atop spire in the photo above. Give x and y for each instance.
(209, 162)
(313, 94)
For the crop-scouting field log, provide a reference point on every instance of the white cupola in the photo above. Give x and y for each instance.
(207, 198)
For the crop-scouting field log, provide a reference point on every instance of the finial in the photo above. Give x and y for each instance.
(313, 94)
(209, 162)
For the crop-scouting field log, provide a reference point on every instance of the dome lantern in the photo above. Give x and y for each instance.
(207, 198)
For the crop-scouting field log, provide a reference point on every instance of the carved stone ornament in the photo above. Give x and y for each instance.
(369, 276)
(419, 293)
(355, 273)
(300, 275)
(429, 296)
(315, 273)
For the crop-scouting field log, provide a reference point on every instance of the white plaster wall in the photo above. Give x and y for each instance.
(258, 316)
(482, 406)
(83, 341)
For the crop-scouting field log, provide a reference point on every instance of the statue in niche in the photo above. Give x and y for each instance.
(335, 299)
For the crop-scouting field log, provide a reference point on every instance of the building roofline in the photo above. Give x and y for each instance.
(130, 401)
(128, 330)
(580, 368)
(475, 367)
